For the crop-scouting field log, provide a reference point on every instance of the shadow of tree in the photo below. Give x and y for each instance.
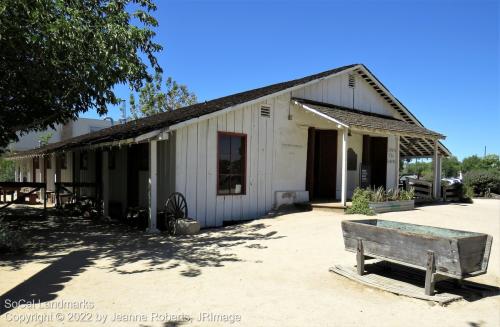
(44, 285)
(70, 244)
(121, 245)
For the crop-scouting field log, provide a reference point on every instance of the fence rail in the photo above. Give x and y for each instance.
(423, 189)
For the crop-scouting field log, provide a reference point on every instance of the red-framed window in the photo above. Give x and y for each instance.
(231, 163)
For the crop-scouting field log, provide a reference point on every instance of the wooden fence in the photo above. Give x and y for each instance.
(423, 189)
(452, 192)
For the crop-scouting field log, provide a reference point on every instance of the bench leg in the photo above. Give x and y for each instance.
(360, 257)
(429, 274)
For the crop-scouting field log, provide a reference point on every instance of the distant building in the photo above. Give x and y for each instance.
(60, 133)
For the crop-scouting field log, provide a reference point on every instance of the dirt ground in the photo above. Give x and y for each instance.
(269, 272)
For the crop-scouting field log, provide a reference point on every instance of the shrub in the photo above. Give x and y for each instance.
(10, 240)
(407, 194)
(360, 200)
(483, 182)
(379, 195)
(467, 193)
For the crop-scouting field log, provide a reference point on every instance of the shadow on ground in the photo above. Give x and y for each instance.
(44, 285)
(470, 291)
(70, 244)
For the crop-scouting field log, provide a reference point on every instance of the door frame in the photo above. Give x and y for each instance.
(312, 157)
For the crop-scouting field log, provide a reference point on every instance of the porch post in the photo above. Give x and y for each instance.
(436, 171)
(41, 167)
(53, 165)
(105, 182)
(344, 166)
(397, 161)
(153, 174)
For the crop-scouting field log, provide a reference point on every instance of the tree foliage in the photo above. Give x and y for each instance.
(7, 170)
(483, 182)
(488, 162)
(153, 100)
(61, 58)
(451, 166)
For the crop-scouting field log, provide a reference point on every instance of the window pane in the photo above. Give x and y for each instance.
(225, 144)
(236, 185)
(231, 161)
(224, 164)
(236, 147)
(236, 167)
(224, 184)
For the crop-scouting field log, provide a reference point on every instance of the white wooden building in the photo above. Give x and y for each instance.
(240, 156)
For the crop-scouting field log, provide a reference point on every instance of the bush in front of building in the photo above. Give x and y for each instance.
(360, 200)
(363, 196)
(483, 182)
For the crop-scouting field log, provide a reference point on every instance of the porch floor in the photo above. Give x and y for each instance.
(329, 204)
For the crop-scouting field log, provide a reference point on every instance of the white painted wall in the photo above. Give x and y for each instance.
(392, 163)
(276, 151)
(335, 90)
(355, 142)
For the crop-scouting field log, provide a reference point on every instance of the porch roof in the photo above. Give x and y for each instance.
(416, 141)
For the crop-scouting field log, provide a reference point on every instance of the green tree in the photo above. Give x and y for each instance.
(61, 58)
(488, 162)
(7, 170)
(419, 168)
(45, 138)
(153, 100)
(451, 166)
(491, 162)
(471, 163)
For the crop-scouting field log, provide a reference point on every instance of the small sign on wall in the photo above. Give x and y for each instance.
(365, 176)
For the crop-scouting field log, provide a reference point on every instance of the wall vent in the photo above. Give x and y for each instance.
(265, 111)
(352, 80)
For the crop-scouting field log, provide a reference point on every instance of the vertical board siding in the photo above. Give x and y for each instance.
(201, 185)
(196, 166)
(268, 170)
(335, 90)
(191, 168)
(254, 162)
(211, 173)
(166, 166)
(276, 150)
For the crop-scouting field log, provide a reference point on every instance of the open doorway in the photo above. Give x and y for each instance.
(375, 160)
(321, 177)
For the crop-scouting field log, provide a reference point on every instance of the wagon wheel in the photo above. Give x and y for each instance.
(175, 208)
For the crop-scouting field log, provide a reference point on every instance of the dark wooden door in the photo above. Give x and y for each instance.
(325, 168)
(137, 160)
(378, 161)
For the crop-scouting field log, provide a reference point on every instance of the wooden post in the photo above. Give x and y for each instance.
(105, 182)
(397, 161)
(153, 180)
(436, 175)
(360, 257)
(55, 179)
(41, 168)
(429, 274)
(344, 167)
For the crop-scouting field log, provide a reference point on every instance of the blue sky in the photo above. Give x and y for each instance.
(440, 58)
